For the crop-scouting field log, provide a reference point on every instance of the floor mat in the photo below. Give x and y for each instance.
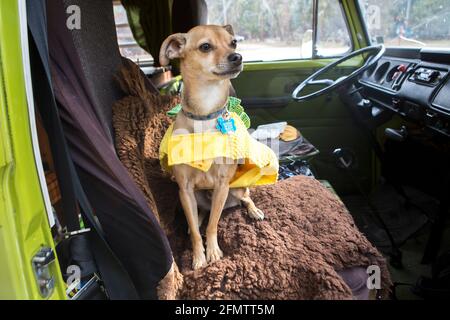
(401, 220)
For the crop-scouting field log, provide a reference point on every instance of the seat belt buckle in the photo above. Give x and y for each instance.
(77, 289)
(67, 234)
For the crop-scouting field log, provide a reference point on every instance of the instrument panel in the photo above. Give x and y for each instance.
(413, 83)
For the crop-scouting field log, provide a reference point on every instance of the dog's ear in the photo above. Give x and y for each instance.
(172, 48)
(229, 28)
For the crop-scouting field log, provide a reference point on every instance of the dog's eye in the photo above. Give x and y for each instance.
(205, 47)
(234, 43)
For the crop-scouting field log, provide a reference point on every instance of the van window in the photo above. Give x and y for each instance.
(333, 38)
(267, 30)
(127, 45)
(407, 23)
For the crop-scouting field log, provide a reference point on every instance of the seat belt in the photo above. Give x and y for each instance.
(116, 280)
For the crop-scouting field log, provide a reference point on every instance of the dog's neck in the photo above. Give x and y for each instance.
(204, 97)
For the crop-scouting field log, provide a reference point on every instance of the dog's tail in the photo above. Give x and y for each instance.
(133, 81)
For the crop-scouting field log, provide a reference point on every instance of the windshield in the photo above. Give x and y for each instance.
(408, 23)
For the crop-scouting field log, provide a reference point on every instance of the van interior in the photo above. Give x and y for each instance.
(375, 125)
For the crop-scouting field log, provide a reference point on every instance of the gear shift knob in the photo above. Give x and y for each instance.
(344, 158)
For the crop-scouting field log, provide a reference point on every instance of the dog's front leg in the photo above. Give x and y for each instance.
(189, 203)
(243, 194)
(219, 197)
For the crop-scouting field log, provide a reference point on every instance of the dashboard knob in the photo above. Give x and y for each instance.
(401, 68)
(366, 103)
(396, 103)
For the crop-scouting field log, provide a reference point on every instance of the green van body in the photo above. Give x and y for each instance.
(24, 226)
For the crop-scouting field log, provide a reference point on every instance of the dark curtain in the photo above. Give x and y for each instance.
(130, 227)
(187, 14)
(150, 22)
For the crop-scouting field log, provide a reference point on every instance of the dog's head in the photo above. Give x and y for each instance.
(205, 52)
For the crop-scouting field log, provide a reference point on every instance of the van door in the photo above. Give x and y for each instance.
(28, 266)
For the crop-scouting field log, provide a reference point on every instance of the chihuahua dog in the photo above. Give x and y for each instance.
(207, 62)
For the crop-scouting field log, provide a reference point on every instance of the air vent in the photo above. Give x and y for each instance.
(370, 71)
(381, 72)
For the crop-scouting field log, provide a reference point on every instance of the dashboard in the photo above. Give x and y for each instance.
(413, 83)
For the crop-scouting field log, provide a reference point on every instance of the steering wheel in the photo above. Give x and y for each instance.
(375, 54)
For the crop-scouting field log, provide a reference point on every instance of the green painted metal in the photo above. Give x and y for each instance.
(359, 37)
(294, 64)
(24, 227)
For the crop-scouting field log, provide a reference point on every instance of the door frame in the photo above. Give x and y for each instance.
(25, 209)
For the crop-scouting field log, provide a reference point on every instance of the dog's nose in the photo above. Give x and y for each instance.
(235, 58)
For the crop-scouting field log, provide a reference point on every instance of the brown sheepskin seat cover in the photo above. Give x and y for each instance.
(307, 234)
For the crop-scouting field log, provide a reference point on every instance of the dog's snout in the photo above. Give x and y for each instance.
(235, 58)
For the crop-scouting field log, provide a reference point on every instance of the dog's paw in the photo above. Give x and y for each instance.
(255, 213)
(198, 261)
(213, 253)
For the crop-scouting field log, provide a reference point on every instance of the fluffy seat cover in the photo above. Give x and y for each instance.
(306, 237)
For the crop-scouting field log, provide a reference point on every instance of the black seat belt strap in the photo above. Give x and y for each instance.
(117, 281)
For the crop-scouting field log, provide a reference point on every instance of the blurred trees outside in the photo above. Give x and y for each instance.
(288, 20)
(283, 20)
(421, 19)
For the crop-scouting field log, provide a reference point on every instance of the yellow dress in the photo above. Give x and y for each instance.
(258, 164)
